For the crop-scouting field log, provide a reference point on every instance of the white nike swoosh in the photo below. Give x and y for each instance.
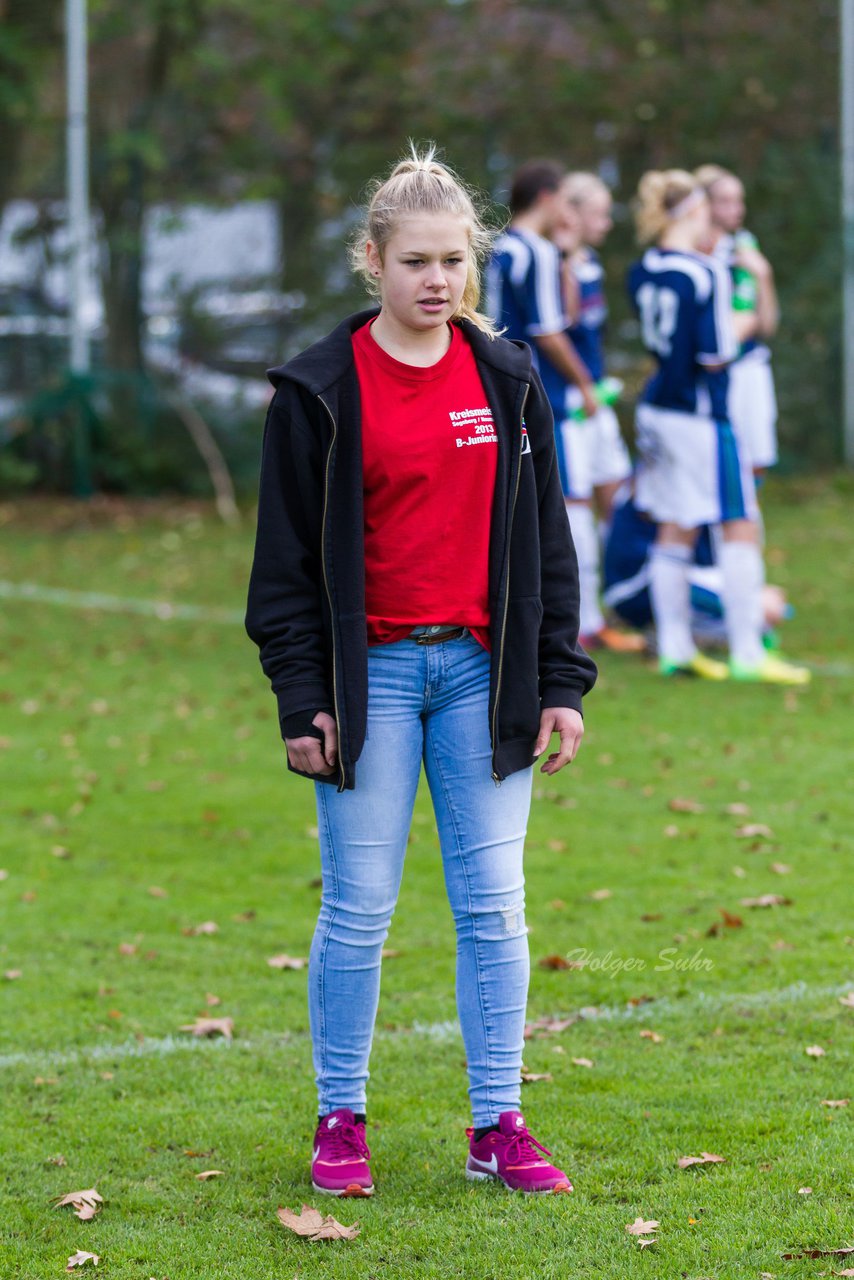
(491, 1164)
(315, 1153)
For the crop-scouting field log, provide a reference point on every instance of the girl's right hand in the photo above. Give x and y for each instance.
(309, 755)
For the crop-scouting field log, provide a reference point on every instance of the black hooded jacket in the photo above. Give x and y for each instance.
(306, 602)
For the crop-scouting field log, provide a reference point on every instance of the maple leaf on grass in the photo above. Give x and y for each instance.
(310, 1224)
(531, 1077)
(654, 1036)
(641, 1227)
(287, 962)
(80, 1257)
(210, 1173)
(85, 1203)
(705, 1157)
(210, 1027)
(767, 900)
(680, 805)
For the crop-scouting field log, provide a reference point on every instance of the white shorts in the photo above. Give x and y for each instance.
(752, 406)
(591, 451)
(691, 470)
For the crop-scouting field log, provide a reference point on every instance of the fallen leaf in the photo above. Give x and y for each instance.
(548, 1025)
(705, 1157)
(680, 805)
(80, 1257)
(740, 872)
(11, 974)
(804, 1191)
(814, 1051)
(582, 1062)
(210, 1027)
(751, 830)
(780, 868)
(287, 962)
(553, 962)
(599, 895)
(727, 921)
(389, 953)
(211, 1000)
(634, 1001)
(849, 1271)
(207, 926)
(127, 948)
(671, 831)
(767, 900)
(643, 1243)
(244, 917)
(210, 1173)
(310, 1224)
(738, 809)
(821, 1253)
(157, 892)
(835, 1102)
(651, 1035)
(60, 851)
(641, 1227)
(85, 1203)
(847, 1000)
(649, 916)
(531, 1077)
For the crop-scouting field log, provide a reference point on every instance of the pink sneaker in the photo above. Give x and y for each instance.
(512, 1156)
(339, 1160)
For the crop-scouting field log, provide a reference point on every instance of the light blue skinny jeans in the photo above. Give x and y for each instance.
(430, 703)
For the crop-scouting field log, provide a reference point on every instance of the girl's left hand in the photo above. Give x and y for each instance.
(570, 726)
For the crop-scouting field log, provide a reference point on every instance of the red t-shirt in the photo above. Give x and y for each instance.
(429, 457)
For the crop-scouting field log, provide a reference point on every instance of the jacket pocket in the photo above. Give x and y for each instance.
(519, 700)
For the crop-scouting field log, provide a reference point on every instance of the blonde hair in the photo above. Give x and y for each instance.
(660, 191)
(708, 174)
(580, 186)
(421, 184)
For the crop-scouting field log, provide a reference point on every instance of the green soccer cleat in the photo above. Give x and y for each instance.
(698, 665)
(772, 670)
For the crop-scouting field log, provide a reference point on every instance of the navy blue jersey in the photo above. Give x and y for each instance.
(684, 303)
(586, 332)
(523, 297)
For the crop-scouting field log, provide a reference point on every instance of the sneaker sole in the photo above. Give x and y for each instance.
(561, 1188)
(351, 1191)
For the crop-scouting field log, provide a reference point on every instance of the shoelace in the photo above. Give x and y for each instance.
(520, 1149)
(345, 1140)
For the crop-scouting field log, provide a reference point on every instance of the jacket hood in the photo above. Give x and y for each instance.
(326, 360)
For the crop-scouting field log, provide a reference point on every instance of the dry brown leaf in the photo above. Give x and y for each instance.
(60, 851)
(643, 1243)
(671, 831)
(531, 1077)
(211, 1000)
(804, 1191)
(767, 900)
(85, 1203)
(752, 830)
(740, 872)
(835, 1102)
(207, 926)
(780, 868)
(634, 1001)
(157, 892)
(389, 953)
(814, 1051)
(738, 809)
(681, 805)
(641, 1227)
(651, 1035)
(649, 916)
(310, 1224)
(80, 1257)
(127, 948)
(727, 921)
(847, 1000)
(287, 962)
(705, 1157)
(210, 1027)
(11, 974)
(599, 895)
(245, 917)
(553, 962)
(581, 1062)
(210, 1173)
(821, 1253)
(548, 1025)
(849, 1271)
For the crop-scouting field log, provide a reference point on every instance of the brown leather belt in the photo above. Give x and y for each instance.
(436, 634)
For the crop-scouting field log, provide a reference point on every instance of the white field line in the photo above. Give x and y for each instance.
(163, 610)
(698, 1004)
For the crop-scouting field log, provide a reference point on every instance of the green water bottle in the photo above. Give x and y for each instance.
(607, 391)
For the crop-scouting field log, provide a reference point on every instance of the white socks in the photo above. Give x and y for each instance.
(583, 527)
(743, 576)
(670, 593)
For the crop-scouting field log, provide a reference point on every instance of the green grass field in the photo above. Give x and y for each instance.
(141, 751)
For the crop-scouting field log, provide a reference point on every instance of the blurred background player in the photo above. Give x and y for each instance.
(692, 471)
(525, 298)
(752, 401)
(626, 573)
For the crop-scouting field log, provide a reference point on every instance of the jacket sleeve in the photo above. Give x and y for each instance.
(284, 614)
(566, 671)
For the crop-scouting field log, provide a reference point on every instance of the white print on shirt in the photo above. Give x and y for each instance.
(478, 420)
(526, 443)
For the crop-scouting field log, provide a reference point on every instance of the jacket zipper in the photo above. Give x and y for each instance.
(328, 589)
(495, 776)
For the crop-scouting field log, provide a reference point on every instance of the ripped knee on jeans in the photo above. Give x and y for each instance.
(506, 922)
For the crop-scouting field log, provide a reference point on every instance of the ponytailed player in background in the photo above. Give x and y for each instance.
(752, 402)
(692, 471)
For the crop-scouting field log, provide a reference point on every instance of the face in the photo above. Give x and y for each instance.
(566, 232)
(422, 270)
(727, 204)
(595, 217)
(699, 223)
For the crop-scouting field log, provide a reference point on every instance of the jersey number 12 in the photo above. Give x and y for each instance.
(659, 312)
